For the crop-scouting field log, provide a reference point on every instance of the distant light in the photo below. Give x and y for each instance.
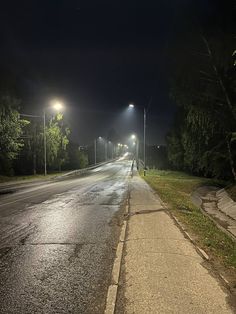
(133, 136)
(100, 138)
(119, 144)
(131, 106)
(158, 146)
(134, 143)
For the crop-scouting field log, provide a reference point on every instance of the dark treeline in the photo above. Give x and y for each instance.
(203, 138)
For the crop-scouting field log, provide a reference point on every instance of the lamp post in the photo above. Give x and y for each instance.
(144, 135)
(44, 142)
(95, 151)
(144, 139)
(57, 106)
(135, 137)
(110, 150)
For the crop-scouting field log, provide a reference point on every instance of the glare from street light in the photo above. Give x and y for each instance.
(133, 136)
(131, 106)
(57, 105)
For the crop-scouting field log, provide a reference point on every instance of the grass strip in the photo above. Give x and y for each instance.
(4, 179)
(175, 188)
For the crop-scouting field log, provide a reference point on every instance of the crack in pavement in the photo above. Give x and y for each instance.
(146, 211)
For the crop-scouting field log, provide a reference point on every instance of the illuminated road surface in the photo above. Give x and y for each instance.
(58, 240)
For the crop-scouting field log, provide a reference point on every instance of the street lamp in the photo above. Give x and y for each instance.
(144, 135)
(56, 105)
(111, 149)
(95, 148)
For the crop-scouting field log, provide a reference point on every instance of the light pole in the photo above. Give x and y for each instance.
(144, 138)
(105, 149)
(144, 135)
(57, 106)
(44, 142)
(135, 137)
(110, 150)
(95, 151)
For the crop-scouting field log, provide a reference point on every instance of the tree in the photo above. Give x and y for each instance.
(76, 158)
(57, 141)
(205, 90)
(11, 130)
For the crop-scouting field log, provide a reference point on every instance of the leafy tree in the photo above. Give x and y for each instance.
(11, 129)
(205, 89)
(57, 141)
(76, 158)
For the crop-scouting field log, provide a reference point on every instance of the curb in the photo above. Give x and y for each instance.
(113, 288)
(200, 251)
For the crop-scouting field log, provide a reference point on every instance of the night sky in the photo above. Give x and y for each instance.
(97, 56)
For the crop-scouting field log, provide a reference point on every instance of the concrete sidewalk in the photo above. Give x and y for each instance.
(162, 271)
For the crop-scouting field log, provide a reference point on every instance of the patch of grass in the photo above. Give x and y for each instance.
(4, 179)
(175, 188)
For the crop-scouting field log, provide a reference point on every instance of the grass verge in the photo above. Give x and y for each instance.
(175, 188)
(4, 179)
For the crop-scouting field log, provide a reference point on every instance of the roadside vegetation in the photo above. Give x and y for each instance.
(4, 179)
(22, 142)
(202, 139)
(175, 188)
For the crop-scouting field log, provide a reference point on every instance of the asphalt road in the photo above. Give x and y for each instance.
(58, 241)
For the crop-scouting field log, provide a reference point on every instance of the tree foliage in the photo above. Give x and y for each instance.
(203, 140)
(11, 130)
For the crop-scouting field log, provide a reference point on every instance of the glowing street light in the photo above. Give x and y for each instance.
(133, 136)
(101, 140)
(57, 106)
(144, 136)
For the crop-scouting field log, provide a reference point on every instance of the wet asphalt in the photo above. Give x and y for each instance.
(58, 242)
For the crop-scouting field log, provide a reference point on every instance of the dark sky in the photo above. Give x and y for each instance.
(97, 56)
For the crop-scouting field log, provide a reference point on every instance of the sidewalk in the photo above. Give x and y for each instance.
(161, 271)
